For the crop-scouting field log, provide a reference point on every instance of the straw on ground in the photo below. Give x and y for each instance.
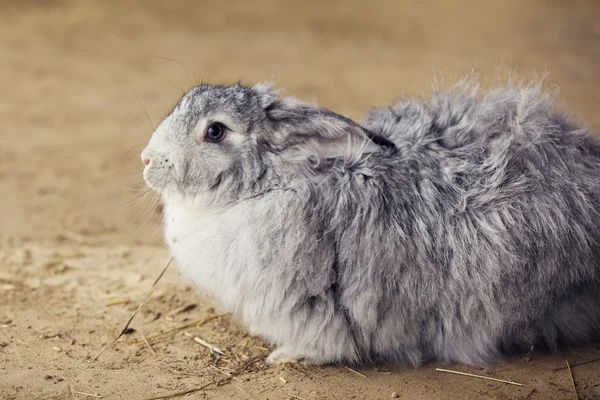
(216, 382)
(355, 371)
(178, 328)
(212, 348)
(132, 315)
(572, 380)
(479, 376)
(578, 364)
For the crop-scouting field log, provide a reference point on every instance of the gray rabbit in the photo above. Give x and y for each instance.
(458, 228)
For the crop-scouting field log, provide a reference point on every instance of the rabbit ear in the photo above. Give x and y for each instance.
(268, 95)
(304, 132)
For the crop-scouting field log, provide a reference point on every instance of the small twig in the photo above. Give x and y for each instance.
(479, 376)
(572, 380)
(237, 358)
(149, 345)
(196, 322)
(89, 394)
(190, 391)
(156, 335)
(183, 373)
(183, 309)
(356, 372)
(205, 344)
(133, 315)
(296, 397)
(228, 374)
(219, 370)
(215, 382)
(578, 364)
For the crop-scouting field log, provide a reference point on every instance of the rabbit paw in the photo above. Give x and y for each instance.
(286, 356)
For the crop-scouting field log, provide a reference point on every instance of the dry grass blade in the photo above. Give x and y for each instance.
(88, 394)
(355, 371)
(132, 315)
(117, 302)
(193, 323)
(183, 309)
(296, 397)
(212, 348)
(149, 345)
(215, 382)
(190, 391)
(479, 376)
(382, 372)
(572, 380)
(578, 364)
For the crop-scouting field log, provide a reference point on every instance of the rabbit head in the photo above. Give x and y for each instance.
(224, 143)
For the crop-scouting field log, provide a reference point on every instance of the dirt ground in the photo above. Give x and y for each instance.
(74, 236)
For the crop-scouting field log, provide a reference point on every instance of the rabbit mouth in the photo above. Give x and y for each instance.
(160, 180)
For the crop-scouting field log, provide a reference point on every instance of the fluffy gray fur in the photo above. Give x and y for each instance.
(457, 228)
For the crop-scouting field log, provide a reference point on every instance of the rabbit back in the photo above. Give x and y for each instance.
(479, 237)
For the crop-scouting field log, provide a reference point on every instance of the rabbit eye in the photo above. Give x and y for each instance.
(215, 132)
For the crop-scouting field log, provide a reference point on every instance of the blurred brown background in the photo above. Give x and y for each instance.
(77, 75)
(71, 71)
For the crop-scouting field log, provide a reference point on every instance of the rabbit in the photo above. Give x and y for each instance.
(457, 229)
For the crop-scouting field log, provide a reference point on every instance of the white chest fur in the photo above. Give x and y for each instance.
(222, 251)
(261, 261)
(200, 239)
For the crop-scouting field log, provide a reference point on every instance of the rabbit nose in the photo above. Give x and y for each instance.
(145, 159)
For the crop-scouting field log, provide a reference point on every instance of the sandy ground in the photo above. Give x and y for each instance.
(73, 236)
